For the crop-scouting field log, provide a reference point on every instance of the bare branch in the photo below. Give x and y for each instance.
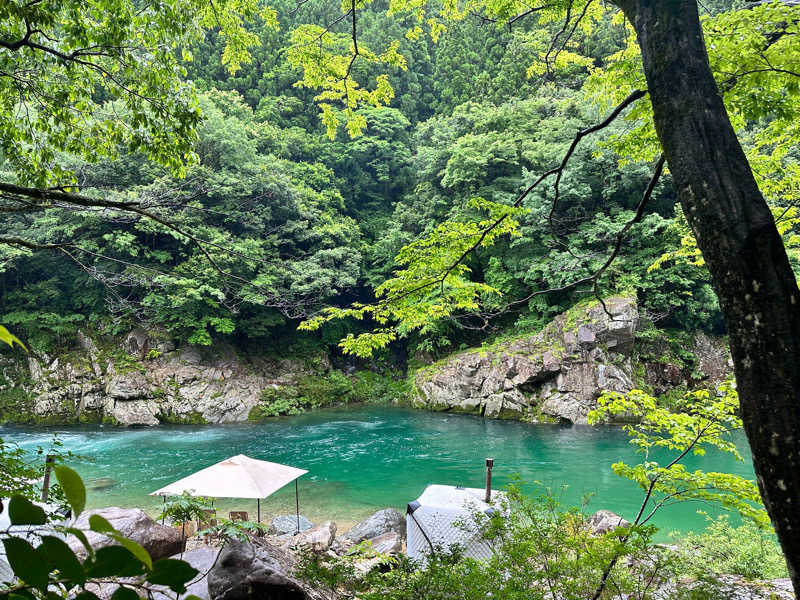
(9, 190)
(30, 245)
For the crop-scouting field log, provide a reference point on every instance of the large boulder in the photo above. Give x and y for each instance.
(159, 540)
(384, 521)
(604, 521)
(387, 543)
(258, 570)
(316, 539)
(556, 374)
(202, 558)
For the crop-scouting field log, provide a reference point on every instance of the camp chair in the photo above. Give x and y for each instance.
(238, 515)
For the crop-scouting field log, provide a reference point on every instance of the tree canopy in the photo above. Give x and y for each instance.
(431, 172)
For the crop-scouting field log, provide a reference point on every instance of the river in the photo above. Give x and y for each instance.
(364, 458)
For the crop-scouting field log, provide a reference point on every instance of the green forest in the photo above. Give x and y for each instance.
(296, 221)
(378, 200)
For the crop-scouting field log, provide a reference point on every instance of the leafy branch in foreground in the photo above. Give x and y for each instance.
(45, 567)
(411, 298)
(433, 283)
(787, 220)
(702, 420)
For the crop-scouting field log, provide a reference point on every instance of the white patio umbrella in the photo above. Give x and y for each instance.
(237, 477)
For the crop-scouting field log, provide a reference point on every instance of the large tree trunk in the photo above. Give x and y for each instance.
(736, 233)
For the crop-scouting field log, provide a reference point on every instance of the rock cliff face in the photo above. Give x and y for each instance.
(147, 382)
(558, 373)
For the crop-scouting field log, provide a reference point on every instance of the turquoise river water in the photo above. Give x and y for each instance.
(364, 458)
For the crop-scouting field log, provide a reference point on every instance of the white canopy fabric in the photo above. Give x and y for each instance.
(235, 477)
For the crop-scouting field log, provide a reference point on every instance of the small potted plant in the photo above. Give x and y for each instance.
(184, 509)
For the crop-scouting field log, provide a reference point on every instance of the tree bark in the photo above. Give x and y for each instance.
(736, 233)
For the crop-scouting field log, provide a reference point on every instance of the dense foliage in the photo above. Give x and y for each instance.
(224, 204)
(286, 219)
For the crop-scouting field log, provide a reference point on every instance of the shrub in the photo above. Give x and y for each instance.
(745, 550)
(317, 391)
(540, 551)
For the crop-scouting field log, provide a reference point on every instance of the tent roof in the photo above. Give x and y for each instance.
(235, 477)
(448, 497)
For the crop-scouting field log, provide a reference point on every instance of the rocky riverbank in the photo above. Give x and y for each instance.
(553, 375)
(235, 569)
(558, 373)
(270, 566)
(142, 380)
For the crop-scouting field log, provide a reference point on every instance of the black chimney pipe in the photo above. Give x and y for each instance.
(489, 465)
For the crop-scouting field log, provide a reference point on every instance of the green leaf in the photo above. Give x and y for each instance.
(86, 596)
(124, 593)
(115, 561)
(26, 563)
(22, 511)
(60, 556)
(73, 487)
(137, 550)
(172, 573)
(100, 524)
(10, 339)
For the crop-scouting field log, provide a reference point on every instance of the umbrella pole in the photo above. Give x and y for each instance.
(163, 503)
(297, 505)
(258, 504)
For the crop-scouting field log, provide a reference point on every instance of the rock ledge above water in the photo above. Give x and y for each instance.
(558, 373)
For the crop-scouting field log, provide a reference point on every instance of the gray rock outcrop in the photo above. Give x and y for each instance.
(557, 373)
(258, 570)
(388, 520)
(159, 540)
(604, 521)
(147, 381)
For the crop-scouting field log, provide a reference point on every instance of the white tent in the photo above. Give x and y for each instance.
(443, 516)
(236, 477)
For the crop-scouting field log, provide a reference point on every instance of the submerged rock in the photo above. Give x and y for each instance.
(101, 483)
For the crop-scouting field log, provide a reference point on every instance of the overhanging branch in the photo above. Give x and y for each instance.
(438, 281)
